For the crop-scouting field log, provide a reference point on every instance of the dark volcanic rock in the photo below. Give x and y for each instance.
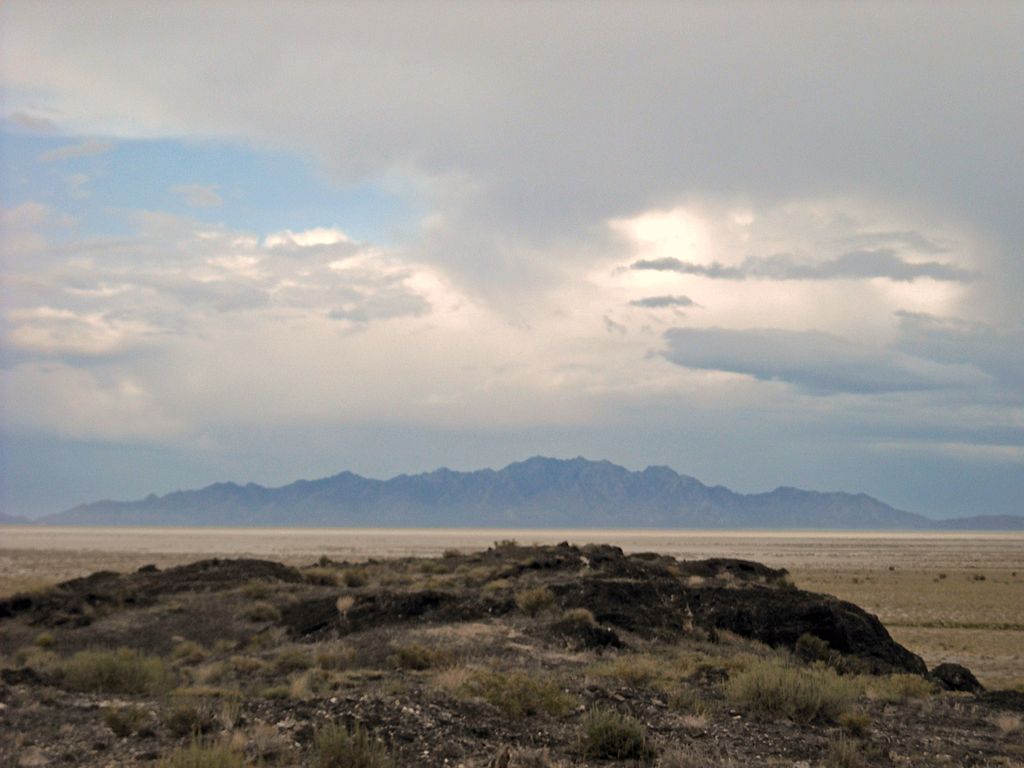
(955, 677)
(779, 617)
(72, 602)
(580, 635)
(311, 617)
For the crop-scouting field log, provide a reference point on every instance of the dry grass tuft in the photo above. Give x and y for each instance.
(119, 671)
(336, 746)
(802, 694)
(533, 601)
(608, 735)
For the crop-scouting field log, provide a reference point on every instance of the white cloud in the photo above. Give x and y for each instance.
(198, 195)
(289, 240)
(47, 331)
(87, 148)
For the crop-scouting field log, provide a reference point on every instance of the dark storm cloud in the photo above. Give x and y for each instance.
(998, 352)
(660, 302)
(853, 265)
(816, 362)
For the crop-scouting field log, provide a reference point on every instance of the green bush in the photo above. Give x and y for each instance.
(119, 671)
(803, 694)
(519, 694)
(533, 601)
(202, 755)
(124, 721)
(608, 735)
(337, 746)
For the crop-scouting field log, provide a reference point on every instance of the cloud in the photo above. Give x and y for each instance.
(77, 185)
(88, 148)
(499, 123)
(198, 195)
(293, 241)
(908, 240)
(785, 187)
(661, 302)
(56, 332)
(999, 352)
(816, 362)
(864, 264)
(33, 123)
(175, 277)
(383, 305)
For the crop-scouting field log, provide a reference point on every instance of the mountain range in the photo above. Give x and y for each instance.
(537, 493)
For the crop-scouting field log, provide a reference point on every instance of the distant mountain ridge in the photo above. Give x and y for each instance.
(536, 493)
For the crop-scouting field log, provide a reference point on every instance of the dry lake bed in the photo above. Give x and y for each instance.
(946, 596)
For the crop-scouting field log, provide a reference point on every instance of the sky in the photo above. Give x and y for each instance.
(761, 243)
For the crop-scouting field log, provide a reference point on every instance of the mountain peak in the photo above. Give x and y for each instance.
(540, 492)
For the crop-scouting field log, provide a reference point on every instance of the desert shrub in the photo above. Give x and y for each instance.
(292, 660)
(690, 702)
(899, 688)
(257, 589)
(187, 717)
(608, 735)
(844, 753)
(631, 669)
(810, 647)
(324, 577)
(335, 656)
(336, 746)
(41, 660)
(433, 567)
(518, 694)
(275, 692)
(856, 722)
(247, 665)
(115, 671)
(353, 578)
(692, 756)
(124, 721)
(188, 652)
(803, 694)
(261, 611)
(579, 616)
(417, 657)
(45, 640)
(533, 601)
(202, 755)
(451, 553)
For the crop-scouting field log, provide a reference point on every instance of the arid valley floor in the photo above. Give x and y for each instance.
(454, 655)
